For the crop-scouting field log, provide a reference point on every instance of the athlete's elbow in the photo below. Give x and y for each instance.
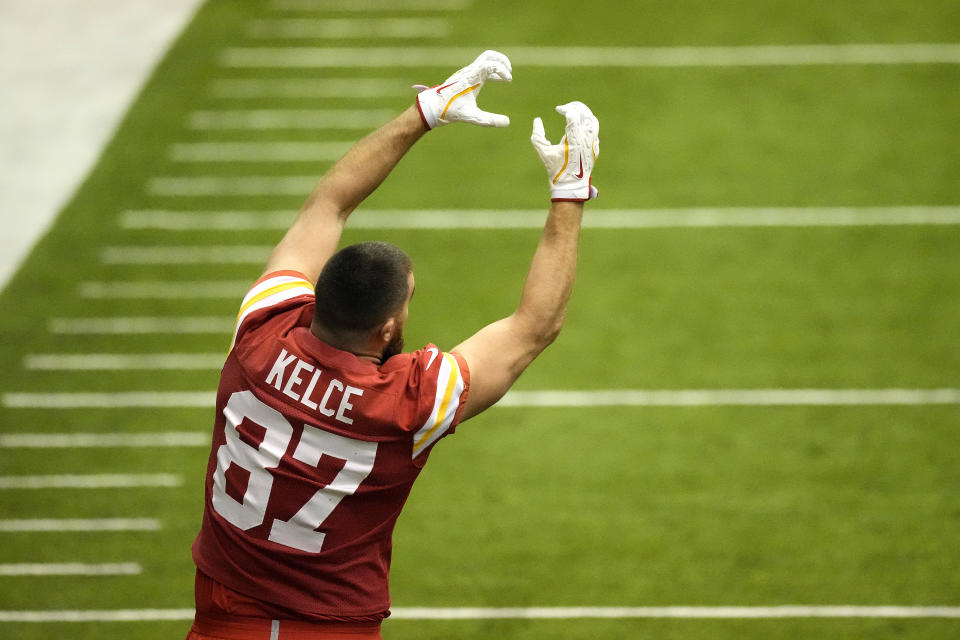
(554, 332)
(537, 328)
(546, 331)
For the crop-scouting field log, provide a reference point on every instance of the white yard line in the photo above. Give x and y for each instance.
(71, 569)
(662, 218)
(103, 440)
(730, 397)
(202, 186)
(529, 613)
(513, 399)
(521, 56)
(213, 220)
(173, 255)
(554, 613)
(110, 615)
(346, 28)
(257, 151)
(115, 400)
(298, 119)
(274, 88)
(163, 289)
(534, 218)
(43, 525)
(141, 325)
(91, 481)
(123, 361)
(326, 6)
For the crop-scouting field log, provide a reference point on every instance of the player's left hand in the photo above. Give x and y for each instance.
(455, 99)
(569, 163)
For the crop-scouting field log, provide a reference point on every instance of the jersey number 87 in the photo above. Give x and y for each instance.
(300, 531)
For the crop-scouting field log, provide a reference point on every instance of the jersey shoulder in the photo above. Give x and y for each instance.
(435, 388)
(274, 293)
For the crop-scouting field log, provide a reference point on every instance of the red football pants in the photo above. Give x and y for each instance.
(223, 614)
(207, 628)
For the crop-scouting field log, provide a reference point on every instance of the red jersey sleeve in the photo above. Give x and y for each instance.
(267, 296)
(437, 388)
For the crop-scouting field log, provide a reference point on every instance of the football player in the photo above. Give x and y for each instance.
(323, 422)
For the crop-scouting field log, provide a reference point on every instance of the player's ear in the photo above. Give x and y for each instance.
(387, 330)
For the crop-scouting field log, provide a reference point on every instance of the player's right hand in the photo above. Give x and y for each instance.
(455, 99)
(569, 163)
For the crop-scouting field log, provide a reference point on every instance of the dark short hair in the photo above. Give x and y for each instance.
(361, 286)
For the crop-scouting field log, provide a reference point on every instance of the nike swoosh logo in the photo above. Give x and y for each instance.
(580, 175)
(444, 87)
(434, 352)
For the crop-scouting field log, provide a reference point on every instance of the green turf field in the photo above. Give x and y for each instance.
(610, 506)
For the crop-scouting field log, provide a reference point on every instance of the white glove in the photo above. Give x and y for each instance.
(455, 100)
(570, 163)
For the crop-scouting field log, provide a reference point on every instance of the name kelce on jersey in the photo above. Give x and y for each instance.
(335, 389)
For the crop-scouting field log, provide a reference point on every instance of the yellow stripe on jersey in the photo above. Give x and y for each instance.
(448, 392)
(274, 290)
(269, 292)
(452, 379)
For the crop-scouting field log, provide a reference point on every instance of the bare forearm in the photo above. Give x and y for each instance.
(315, 234)
(499, 353)
(367, 164)
(549, 282)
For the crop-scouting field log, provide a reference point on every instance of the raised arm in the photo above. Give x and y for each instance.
(499, 353)
(315, 233)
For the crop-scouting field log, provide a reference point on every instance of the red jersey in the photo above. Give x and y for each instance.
(314, 454)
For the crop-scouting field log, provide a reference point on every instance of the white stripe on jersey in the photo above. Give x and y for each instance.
(450, 386)
(268, 293)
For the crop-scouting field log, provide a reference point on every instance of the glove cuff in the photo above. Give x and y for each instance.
(423, 117)
(578, 192)
(429, 109)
